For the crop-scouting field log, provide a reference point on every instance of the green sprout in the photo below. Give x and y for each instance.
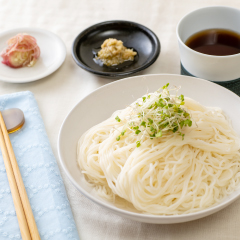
(157, 114)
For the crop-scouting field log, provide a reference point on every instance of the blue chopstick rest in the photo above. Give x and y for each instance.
(40, 175)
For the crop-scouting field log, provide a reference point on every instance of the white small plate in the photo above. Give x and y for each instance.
(53, 53)
(100, 104)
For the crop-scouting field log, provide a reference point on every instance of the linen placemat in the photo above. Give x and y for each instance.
(40, 175)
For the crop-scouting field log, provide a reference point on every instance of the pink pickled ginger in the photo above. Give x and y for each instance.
(22, 51)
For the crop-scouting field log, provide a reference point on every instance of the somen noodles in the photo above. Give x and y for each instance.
(164, 153)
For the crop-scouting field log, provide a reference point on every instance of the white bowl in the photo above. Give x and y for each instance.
(213, 68)
(100, 104)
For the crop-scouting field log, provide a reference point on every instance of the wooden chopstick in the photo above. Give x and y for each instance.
(22, 221)
(19, 182)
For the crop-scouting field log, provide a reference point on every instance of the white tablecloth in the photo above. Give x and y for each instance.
(59, 92)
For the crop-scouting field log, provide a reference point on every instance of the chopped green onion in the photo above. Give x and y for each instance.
(117, 118)
(159, 134)
(181, 97)
(137, 131)
(157, 114)
(150, 120)
(123, 132)
(164, 87)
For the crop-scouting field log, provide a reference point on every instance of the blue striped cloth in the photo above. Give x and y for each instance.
(40, 175)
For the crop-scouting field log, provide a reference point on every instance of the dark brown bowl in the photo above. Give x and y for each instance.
(136, 36)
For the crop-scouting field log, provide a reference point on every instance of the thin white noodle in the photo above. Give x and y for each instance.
(164, 175)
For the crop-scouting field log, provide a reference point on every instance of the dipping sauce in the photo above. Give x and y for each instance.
(218, 42)
(113, 52)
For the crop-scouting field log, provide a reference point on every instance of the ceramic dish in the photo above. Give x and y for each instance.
(118, 95)
(141, 39)
(53, 53)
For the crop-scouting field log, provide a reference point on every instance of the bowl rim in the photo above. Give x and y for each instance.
(150, 218)
(88, 30)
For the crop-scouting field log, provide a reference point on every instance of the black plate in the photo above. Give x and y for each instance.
(136, 36)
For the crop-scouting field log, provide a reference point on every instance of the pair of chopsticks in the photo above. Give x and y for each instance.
(23, 209)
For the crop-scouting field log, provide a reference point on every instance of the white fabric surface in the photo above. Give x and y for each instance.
(58, 93)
